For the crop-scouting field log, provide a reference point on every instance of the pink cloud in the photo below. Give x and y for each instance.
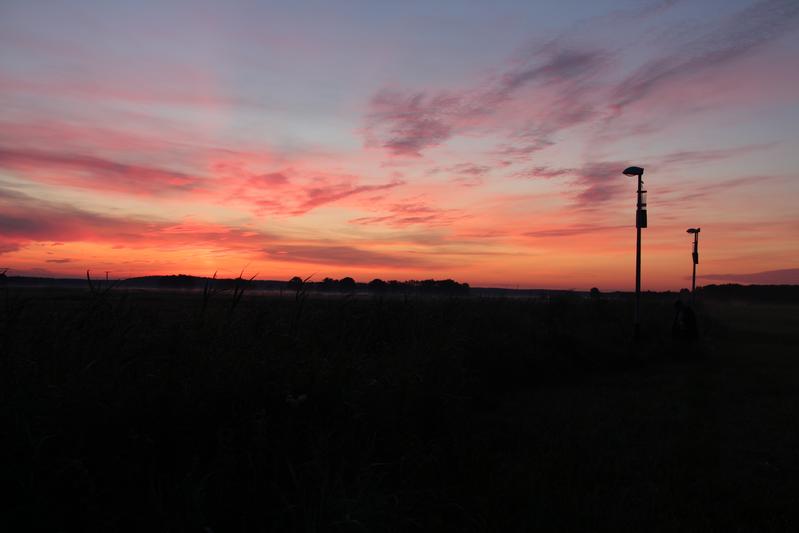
(406, 123)
(693, 194)
(737, 36)
(228, 179)
(571, 230)
(554, 64)
(561, 84)
(268, 181)
(325, 192)
(706, 156)
(469, 169)
(543, 172)
(25, 220)
(303, 195)
(601, 182)
(347, 256)
(411, 213)
(468, 174)
(87, 171)
(71, 137)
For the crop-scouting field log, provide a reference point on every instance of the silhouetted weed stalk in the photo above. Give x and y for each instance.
(300, 295)
(209, 291)
(240, 285)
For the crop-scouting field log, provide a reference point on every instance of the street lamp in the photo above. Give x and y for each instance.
(695, 257)
(640, 222)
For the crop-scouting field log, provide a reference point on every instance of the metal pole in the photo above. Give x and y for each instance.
(637, 322)
(694, 259)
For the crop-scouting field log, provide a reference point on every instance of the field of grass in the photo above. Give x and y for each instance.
(153, 411)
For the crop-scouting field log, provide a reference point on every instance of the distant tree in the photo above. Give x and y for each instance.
(347, 284)
(432, 286)
(181, 281)
(377, 285)
(595, 293)
(449, 286)
(427, 285)
(295, 283)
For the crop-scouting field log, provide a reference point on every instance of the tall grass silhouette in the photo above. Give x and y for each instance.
(124, 412)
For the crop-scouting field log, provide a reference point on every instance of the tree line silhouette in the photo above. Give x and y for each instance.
(751, 293)
(377, 285)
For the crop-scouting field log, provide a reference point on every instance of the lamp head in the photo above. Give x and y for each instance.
(633, 171)
(692, 230)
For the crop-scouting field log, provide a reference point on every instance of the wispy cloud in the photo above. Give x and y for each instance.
(25, 219)
(88, 171)
(565, 83)
(601, 182)
(738, 35)
(406, 123)
(326, 193)
(267, 181)
(707, 156)
(544, 172)
(570, 231)
(468, 174)
(284, 192)
(686, 197)
(552, 63)
(411, 213)
(469, 169)
(345, 256)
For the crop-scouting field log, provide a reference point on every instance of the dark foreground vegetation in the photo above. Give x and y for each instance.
(127, 410)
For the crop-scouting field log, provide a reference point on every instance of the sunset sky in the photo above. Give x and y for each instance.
(474, 140)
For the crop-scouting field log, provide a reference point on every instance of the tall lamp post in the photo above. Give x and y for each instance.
(640, 222)
(695, 257)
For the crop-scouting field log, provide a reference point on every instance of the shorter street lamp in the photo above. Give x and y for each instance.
(695, 257)
(640, 222)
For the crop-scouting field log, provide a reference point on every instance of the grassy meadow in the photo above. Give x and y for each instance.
(133, 410)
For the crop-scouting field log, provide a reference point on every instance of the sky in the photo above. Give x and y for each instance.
(479, 141)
